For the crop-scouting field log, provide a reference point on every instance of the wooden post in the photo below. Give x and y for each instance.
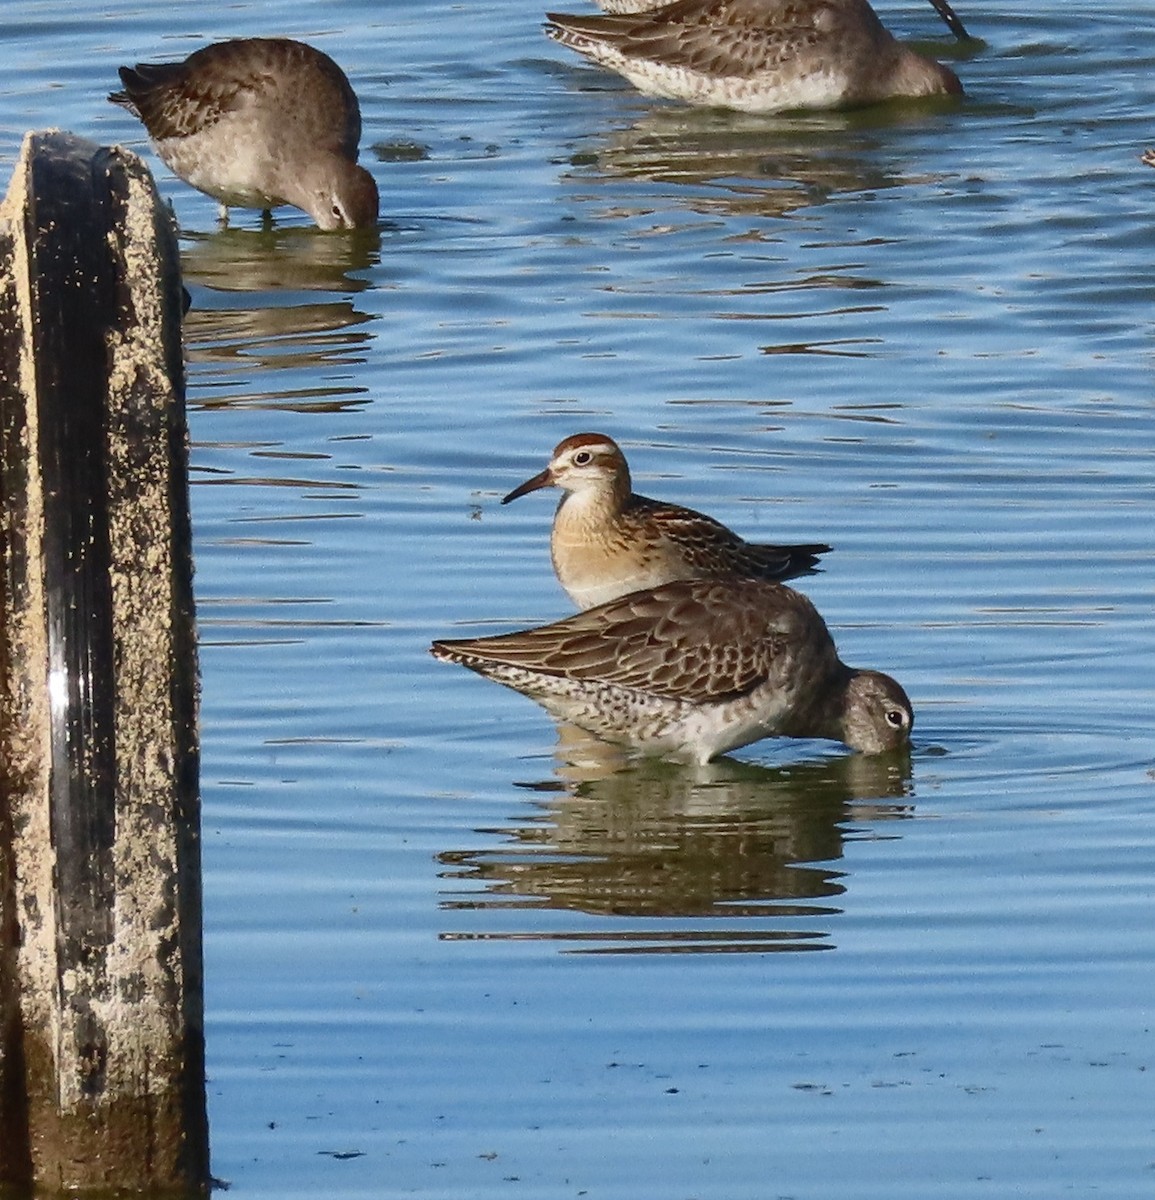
(101, 1002)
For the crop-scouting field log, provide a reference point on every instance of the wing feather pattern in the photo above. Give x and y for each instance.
(716, 551)
(691, 641)
(735, 38)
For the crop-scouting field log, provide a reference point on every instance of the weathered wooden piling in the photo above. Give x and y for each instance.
(101, 1008)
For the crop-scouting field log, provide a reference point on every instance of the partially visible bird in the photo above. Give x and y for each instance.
(942, 7)
(257, 123)
(694, 669)
(629, 7)
(608, 541)
(757, 55)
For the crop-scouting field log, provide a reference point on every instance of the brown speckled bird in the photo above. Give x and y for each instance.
(757, 55)
(942, 7)
(693, 669)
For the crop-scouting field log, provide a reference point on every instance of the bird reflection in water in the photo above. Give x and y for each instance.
(750, 169)
(750, 166)
(278, 299)
(729, 857)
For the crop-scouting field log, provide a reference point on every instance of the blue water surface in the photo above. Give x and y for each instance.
(453, 953)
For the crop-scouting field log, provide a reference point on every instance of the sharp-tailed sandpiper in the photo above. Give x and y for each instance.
(608, 541)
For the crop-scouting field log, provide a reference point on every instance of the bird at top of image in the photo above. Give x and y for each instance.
(258, 123)
(942, 7)
(608, 541)
(694, 669)
(758, 56)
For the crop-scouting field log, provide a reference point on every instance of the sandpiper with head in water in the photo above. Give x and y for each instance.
(607, 540)
(694, 669)
(257, 123)
(758, 56)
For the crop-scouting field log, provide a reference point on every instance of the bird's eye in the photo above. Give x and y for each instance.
(582, 457)
(895, 718)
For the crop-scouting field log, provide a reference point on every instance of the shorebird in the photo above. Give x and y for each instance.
(607, 540)
(694, 669)
(256, 123)
(757, 56)
(942, 7)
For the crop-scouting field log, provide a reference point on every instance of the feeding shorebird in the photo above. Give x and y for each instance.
(607, 540)
(694, 669)
(942, 7)
(758, 56)
(257, 123)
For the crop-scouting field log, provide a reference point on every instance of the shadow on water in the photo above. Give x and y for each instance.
(282, 299)
(746, 847)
